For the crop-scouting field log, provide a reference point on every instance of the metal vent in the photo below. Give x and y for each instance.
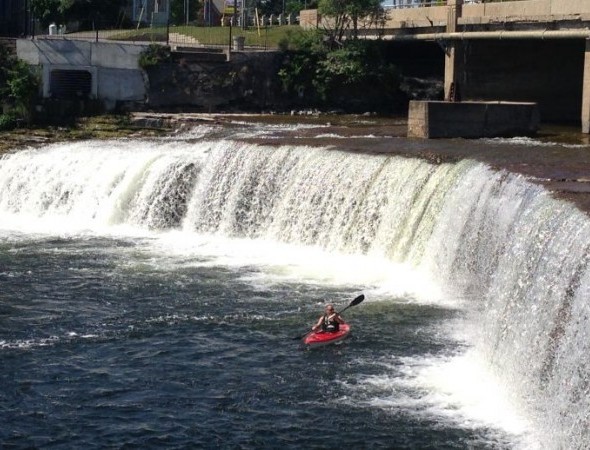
(69, 84)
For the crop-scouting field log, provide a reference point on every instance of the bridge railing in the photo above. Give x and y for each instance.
(400, 4)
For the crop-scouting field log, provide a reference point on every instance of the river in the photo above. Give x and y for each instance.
(152, 291)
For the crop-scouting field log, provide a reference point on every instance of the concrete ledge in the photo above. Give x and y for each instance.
(437, 119)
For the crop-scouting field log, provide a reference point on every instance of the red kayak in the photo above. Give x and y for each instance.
(320, 338)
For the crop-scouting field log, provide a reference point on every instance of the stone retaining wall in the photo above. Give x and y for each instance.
(247, 82)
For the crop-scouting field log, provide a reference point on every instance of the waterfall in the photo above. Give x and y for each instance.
(499, 242)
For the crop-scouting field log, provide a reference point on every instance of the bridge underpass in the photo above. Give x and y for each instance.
(523, 50)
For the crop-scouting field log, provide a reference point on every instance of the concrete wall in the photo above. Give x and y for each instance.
(116, 75)
(506, 11)
(247, 82)
(309, 18)
(417, 17)
(428, 119)
(476, 13)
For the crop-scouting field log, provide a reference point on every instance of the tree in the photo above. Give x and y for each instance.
(347, 14)
(46, 11)
(22, 87)
(294, 6)
(178, 11)
(19, 85)
(355, 77)
(61, 11)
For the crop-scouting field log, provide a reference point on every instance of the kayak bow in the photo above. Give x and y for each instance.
(321, 338)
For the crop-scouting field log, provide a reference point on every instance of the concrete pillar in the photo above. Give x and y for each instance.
(453, 70)
(454, 9)
(453, 53)
(586, 91)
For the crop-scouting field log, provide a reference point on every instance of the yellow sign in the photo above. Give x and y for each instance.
(230, 5)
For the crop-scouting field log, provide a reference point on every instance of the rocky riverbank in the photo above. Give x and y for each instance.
(100, 127)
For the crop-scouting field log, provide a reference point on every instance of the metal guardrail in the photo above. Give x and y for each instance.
(401, 4)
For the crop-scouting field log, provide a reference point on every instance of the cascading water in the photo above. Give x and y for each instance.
(513, 257)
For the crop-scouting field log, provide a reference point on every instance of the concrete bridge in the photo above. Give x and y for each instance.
(509, 51)
(522, 50)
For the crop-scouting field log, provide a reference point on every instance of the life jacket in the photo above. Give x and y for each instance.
(329, 324)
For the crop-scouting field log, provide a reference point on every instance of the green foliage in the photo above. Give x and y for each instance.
(354, 77)
(7, 122)
(303, 51)
(294, 6)
(302, 40)
(22, 82)
(46, 11)
(276, 6)
(5, 60)
(360, 73)
(345, 66)
(102, 12)
(60, 11)
(153, 55)
(178, 13)
(19, 86)
(348, 15)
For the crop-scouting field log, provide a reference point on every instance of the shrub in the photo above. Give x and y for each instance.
(356, 76)
(153, 55)
(19, 85)
(7, 122)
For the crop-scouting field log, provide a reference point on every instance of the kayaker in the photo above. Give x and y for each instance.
(330, 321)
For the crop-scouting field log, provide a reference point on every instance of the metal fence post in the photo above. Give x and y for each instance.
(229, 44)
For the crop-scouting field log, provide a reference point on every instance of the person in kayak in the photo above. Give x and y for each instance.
(330, 321)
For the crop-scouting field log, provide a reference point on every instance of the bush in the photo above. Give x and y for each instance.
(7, 122)
(355, 77)
(153, 55)
(19, 86)
(303, 51)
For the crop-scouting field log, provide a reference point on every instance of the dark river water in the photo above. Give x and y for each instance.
(104, 343)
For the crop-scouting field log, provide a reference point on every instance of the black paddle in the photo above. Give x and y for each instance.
(355, 302)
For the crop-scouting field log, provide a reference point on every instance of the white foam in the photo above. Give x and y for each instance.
(279, 262)
(458, 390)
(530, 142)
